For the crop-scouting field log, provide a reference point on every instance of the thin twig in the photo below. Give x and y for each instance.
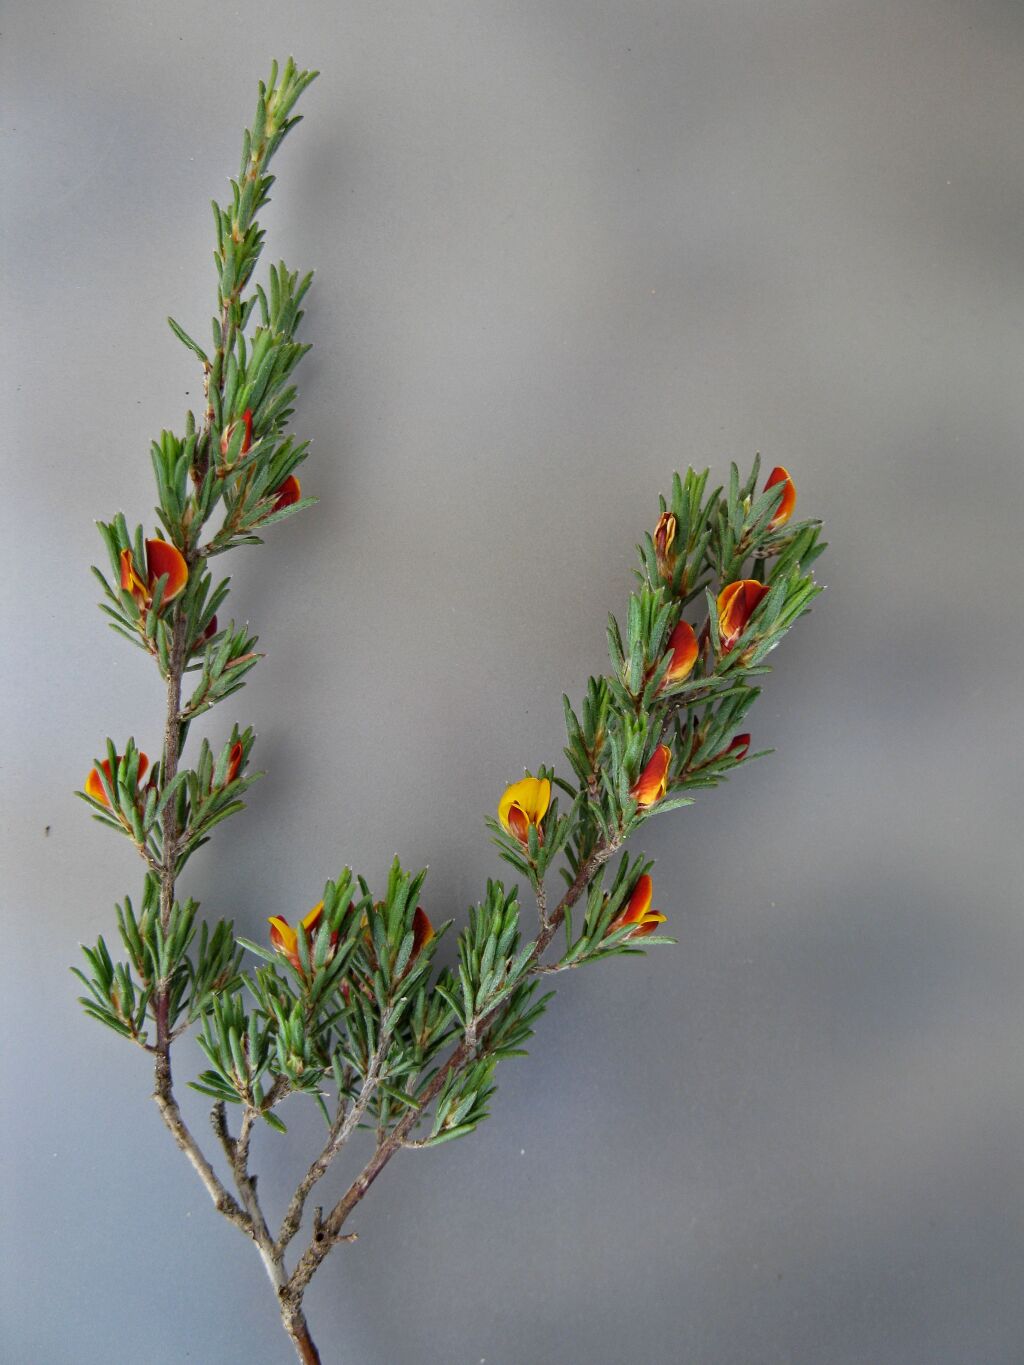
(341, 1130)
(542, 905)
(168, 1106)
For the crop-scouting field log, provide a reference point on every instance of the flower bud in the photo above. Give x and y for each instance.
(652, 783)
(785, 508)
(736, 604)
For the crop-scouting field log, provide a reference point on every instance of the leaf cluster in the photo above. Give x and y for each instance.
(188, 963)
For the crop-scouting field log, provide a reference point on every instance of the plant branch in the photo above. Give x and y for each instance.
(344, 1125)
(329, 1231)
(164, 1096)
(237, 1152)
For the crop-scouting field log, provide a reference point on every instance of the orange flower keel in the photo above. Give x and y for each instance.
(785, 508)
(638, 911)
(682, 645)
(737, 603)
(652, 783)
(94, 783)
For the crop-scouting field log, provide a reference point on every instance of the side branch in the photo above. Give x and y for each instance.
(341, 1130)
(163, 1094)
(237, 1152)
(328, 1231)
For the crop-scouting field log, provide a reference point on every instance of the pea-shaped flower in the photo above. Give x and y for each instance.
(785, 508)
(94, 783)
(652, 783)
(737, 603)
(682, 645)
(286, 939)
(525, 803)
(161, 558)
(638, 911)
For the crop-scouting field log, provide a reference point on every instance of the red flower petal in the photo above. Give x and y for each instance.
(639, 902)
(164, 558)
(287, 493)
(648, 925)
(422, 931)
(739, 747)
(94, 783)
(652, 783)
(234, 762)
(785, 508)
(736, 604)
(683, 648)
(518, 823)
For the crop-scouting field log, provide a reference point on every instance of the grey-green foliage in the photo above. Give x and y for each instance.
(227, 468)
(363, 1006)
(719, 538)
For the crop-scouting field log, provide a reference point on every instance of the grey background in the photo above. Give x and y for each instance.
(562, 248)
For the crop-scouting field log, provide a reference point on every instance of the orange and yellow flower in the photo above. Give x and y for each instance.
(682, 645)
(94, 783)
(161, 558)
(664, 535)
(652, 783)
(285, 939)
(785, 508)
(287, 493)
(737, 602)
(638, 911)
(525, 803)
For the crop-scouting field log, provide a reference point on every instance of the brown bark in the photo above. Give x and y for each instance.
(294, 1321)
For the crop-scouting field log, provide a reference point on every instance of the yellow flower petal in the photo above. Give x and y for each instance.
(283, 936)
(309, 922)
(532, 795)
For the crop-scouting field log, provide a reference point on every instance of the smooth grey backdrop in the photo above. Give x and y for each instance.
(562, 248)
